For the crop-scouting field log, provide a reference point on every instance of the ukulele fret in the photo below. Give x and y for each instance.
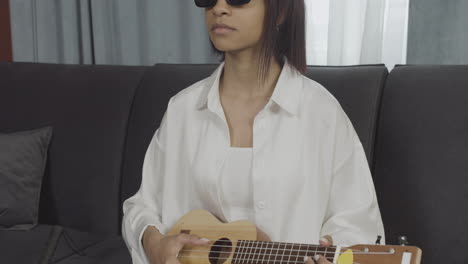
(249, 252)
(289, 250)
(301, 252)
(238, 252)
(262, 252)
(275, 259)
(268, 252)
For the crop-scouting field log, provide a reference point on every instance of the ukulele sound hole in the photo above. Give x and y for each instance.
(220, 251)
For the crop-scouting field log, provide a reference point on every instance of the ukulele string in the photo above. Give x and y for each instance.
(238, 260)
(283, 244)
(247, 259)
(266, 254)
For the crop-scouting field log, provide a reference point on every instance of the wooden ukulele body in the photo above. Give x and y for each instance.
(205, 225)
(225, 238)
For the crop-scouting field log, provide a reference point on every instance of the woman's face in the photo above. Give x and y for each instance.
(246, 22)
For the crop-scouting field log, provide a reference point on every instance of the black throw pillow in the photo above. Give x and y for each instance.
(23, 158)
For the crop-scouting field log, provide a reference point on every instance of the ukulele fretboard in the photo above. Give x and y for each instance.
(262, 252)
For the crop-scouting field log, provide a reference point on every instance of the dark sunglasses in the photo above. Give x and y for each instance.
(211, 3)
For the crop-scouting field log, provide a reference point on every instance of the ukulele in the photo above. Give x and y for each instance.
(235, 243)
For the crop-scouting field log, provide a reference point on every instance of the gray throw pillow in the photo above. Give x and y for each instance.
(23, 158)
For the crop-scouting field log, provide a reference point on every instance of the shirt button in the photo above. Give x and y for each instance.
(260, 125)
(261, 204)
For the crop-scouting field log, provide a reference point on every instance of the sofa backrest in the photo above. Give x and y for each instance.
(88, 107)
(105, 116)
(421, 160)
(159, 84)
(359, 91)
(358, 88)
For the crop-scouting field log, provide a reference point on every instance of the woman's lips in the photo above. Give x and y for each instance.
(222, 29)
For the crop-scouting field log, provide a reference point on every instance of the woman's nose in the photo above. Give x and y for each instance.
(221, 8)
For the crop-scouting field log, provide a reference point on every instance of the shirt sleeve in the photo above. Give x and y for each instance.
(144, 208)
(353, 215)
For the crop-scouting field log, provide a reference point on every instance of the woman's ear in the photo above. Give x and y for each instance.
(281, 17)
(280, 20)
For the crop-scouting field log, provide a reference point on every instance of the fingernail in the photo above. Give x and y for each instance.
(316, 257)
(204, 239)
(305, 258)
(324, 240)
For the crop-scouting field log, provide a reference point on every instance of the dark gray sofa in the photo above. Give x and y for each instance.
(413, 124)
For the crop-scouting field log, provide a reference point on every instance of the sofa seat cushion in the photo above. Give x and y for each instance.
(23, 246)
(54, 244)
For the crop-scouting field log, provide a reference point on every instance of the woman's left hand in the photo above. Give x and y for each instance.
(326, 241)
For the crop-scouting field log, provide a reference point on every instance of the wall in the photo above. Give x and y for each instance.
(438, 32)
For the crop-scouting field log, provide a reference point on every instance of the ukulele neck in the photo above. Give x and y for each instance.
(262, 252)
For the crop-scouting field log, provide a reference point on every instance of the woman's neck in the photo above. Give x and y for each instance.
(240, 78)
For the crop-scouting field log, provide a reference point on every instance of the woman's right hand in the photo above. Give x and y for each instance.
(161, 249)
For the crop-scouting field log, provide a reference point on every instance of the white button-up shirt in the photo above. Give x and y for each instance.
(310, 176)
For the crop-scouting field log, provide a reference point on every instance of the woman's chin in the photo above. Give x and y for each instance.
(229, 48)
(224, 44)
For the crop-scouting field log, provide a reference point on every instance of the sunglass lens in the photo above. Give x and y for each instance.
(211, 3)
(205, 3)
(238, 2)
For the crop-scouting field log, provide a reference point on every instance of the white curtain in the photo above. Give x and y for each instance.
(51, 31)
(350, 32)
(144, 32)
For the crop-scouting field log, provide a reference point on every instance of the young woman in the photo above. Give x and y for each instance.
(256, 140)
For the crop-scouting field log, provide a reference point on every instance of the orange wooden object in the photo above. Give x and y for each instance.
(237, 243)
(6, 52)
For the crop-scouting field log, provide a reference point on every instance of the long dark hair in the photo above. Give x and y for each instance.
(287, 39)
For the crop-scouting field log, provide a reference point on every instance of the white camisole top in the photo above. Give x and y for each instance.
(236, 185)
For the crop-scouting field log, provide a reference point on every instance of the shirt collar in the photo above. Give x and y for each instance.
(287, 92)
